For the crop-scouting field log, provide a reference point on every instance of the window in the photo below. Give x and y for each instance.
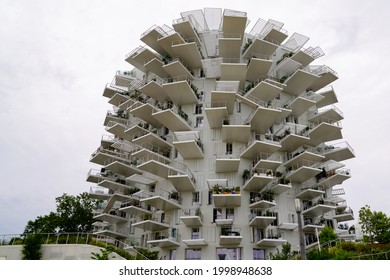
(210, 197)
(195, 234)
(230, 213)
(238, 107)
(229, 148)
(258, 254)
(195, 198)
(199, 122)
(217, 214)
(228, 253)
(193, 254)
(198, 109)
(172, 254)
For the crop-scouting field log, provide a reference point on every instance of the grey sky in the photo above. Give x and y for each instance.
(57, 56)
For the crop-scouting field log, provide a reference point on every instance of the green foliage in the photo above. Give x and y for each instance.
(327, 234)
(73, 214)
(375, 225)
(285, 254)
(104, 254)
(32, 247)
(151, 255)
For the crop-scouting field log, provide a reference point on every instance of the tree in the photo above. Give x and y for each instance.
(73, 214)
(375, 225)
(327, 235)
(32, 247)
(285, 254)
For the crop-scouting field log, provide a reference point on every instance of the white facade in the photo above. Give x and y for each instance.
(207, 104)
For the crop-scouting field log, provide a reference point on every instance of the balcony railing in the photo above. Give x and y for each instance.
(171, 234)
(161, 193)
(192, 212)
(230, 231)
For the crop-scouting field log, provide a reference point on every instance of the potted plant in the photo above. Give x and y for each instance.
(246, 175)
(268, 172)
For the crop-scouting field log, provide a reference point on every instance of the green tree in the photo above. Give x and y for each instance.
(285, 254)
(375, 225)
(327, 235)
(73, 214)
(32, 247)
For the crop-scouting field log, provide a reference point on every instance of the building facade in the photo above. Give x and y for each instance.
(216, 133)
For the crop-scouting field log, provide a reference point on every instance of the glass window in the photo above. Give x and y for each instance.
(198, 109)
(230, 213)
(229, 148)
(228, 253)
(258, 254)
(193, 254)
(195, 198)
(199, 122)
(217, 214)
(195, 234)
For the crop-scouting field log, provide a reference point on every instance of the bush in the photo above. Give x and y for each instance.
(32, 248)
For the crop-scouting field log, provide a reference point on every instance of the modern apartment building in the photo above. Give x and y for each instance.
(216, 131)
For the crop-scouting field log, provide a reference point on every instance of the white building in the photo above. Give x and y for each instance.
(213, 136)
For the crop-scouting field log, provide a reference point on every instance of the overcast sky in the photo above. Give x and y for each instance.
(57, 56)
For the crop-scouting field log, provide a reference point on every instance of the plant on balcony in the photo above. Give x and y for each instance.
(217, 189)
(226, 122)
(284, 181)
(147, 217)
(246, 175)
(246, 46)
(237, 189)
(268, 172)
(183, 115)
(197, 211)
(282, 79)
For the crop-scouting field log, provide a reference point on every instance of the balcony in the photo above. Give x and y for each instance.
(230, 236)
(183, 181)
(267, 161)
(215, 113)
(302, 171)
(261, 220)
(153, 141)
(227, 163)
(153, 88)
(161, 199)
(134, 130)
(188, 51)
(300, 105)
(307, 192)
(263, 89)
(123, 167)
(259, 178)
(303, 153)
(234, 69)
(135, 208)
(164, 239)
(260, 44)
(334, 177)
(332, 113)
(262, 200)
(326, 76)
(230, 44)
(144, 111)
(263, 118)
(192, 217)
(151, 222)
(269, 241)
(280, 184)
(343, 215)
(96, 175)
(234, 22)
(291, 136)
(258, 146)
(324, 130)
(117, 128)
(110, 90)
(112, 218)
(224, 196)
(155, 66)
(338, 151)
(150, 37)
(258, 67)
(235, 130)
(118, 115)
(329, 97)
(223, 98)
(195, 242)
(180, 91)
(174, 119)
(176, 68)
(112, 232)
(118, 99)
(139, 55)
(154, 163)
(299, 82)
(311, 225)
(187, 26)
(99, 193)
(316, 209)
(189, 145)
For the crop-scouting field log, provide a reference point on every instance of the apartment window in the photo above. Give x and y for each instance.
(258, 254)
(198, 109)
(228, 253)
(193, 254)
(238, 107)
(229, 148)
(230, 213)
(217, 214)
(195, 198)
(172, 254)
(210, 197)
(195, 233)
(199, 122)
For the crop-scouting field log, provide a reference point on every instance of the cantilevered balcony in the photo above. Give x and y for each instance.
(262, 200)
(177, 68)
(259, 145)
(300, 105)
(303, 153)
(150, 37)
(316, 209)
(224, 96)
(118, 99)
(230, 236)
(329, 97)
(226, 162)
(258, 67)
(182, 180)
(259, 178)
(234, 69)
(337, 151)
(166, 238)
(191, 217)
(118, 129)
(334, 177)
(113, 232)
(215, 113)
(280, 184)
(230, 44)
(267, 161)
(155, 141)
(270, 29)
(234, 22)
(260, 44)
(235, 130)
(151, 222)
(189, 145)
(291, 136)
(144, 111)
(264, 89)
(134, 207)
(168, 41)
(99, 193)
(110, 90)
(299, 82)
(117, 115)
(343, 215)
(188, 50)
(313, 224)
(262, 118)
(161, 199)
(259, 219)
(303, 170)
(173, 118)
(155, 66)
(153, 88)
(139, 55)
(119, 186)
(308, 191)
(268, 241)
(226, 196)
(187, 27)
(324, 130)
(331, 112)
(134, 130)
(326, 76)
(180, 90)
(111, 218)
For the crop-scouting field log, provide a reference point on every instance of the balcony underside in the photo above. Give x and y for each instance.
(227, 97)
(132, 132)
(155, 91)
(258, 68)
(155, 167)
(99, 196)
(180, 93)
(189, 53)
(293, 141)
(224, 222)
(318, 210)
(138, 59)
(258, 147)
(177, 69)
(230, 240)
(112, 234)
(264, 91)
(153, 139)
(324, 80)
(276, 35)
(215, 116)
(305, 156)
(164, 243)
(343, 217)
(114, 186)
(324, 132)
(161, 203)
(288, 226)
(260, 46)
(118, 130)
(299, 82)
(312, 228)
(267, 164)
(151, 39)
(182, 183)
(269, 243)
(172, 121)
(339, 154)
(262, 204)
(145, 113)
(156, 66)
(309, 194)
(300, 105)
(263, 119)
(191, 221)
(257, 182)
(227, 200)
(189, 149)
(334, 180)
(195, 242)
(280, 188)
(118, 99)
(226, 165)
(329, 98)
(185, 29)
(234, 72)
(109, 91)
(236, 133)
(168, 41)
(135, 210)
(303, 174)
(112, 219)
(303, 58)
(230, 47)
(261, 221)
(330, 114)
(123, 169)
(151, 225)
(234, 24)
